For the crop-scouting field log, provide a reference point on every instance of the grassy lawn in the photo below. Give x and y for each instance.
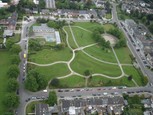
(88, 25)
(134, 72)
(82, 37)
(72, 81)
(97, 52)
(108, 27)
(46, 56)
(70, 39)
(124, 55)
(108, 16)
(15, 38)
(53, 71)
(98, 81)
(5, 63)
(82, 63)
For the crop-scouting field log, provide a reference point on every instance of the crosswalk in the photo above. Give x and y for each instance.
(50, 4)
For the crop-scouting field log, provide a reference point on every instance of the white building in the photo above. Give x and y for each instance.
(36, 1)
(3, 4)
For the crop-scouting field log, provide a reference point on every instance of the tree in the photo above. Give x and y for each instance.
(13, 71)
(15, 59)
(151, 28)
(60, 46)
(87, 73)
(34, 45)
(15, 48)
(55, 82)
(13, 85)
(52, 99)
(31, 83)
(11, 101)
(41, 81)
(130, 77)
(9, 44)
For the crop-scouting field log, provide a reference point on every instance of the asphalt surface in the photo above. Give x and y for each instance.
(26, 96)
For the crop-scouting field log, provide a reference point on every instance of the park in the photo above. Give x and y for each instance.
(84, 62)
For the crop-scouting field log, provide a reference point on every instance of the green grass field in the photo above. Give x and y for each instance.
(124, 55)
(4, 64)
(97, 52)
(82, 37)
(135, 74)
(108, 16)
(70, 39)
(72, 81)
(82, 62)
(102, 81)
(53, 71)
(15, 38)
(46, 56)
(108, 26)
(88, 25)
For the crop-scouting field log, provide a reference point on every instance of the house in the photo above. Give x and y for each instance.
(2, 4)
(35, 11)
(36, 2)
(44, 11)
(100, 3)
(41, 109)
(150, 58)
(8, 33)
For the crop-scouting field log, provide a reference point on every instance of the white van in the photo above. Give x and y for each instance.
(45, 91)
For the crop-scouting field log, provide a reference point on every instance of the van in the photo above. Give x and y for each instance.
(45, 91)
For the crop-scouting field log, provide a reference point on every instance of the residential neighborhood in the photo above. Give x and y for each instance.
(76, 57)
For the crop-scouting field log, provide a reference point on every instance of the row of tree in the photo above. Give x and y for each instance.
(118, 34)
(97, 36)
(76, 5)
(35, 81)
(11, 100)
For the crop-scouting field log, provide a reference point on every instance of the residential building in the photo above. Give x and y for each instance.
(3, 4)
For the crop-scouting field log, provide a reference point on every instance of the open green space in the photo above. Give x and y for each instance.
(99, 53)
(15, 38)
(98, 81)
(88, 25)
(53, 71)
(46, 56)
(123, 55)
(108, 27)
(108, 16)
(129, 70)
(72, 81)
(4, 64)
(82, 63)
(70, 38)
(82, 37)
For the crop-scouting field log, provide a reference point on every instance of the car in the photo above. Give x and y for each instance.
(74, 96)
(113, 87)
(72, 90)
(43, 97)
(38, 97)
(17, 91)
(45, 91)
(105, 93)
(78, 90)
(93, 94)
(66, 90)
(98, 89)
(33, 98)
(60, 90)
(79, 95)
(27, 100)
(61, 96)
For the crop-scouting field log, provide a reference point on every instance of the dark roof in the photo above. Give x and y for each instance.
(41, 109)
